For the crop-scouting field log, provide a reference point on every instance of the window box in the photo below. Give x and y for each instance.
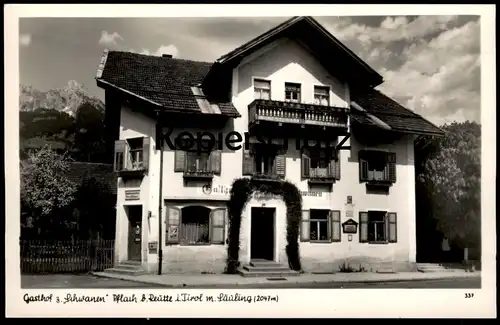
(265, 162)
(320, 166)
(198, 165)
(377, 168)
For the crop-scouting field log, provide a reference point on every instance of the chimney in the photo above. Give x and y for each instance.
(166, 56)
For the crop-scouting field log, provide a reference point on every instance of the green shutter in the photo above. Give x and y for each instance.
(146, 144)
(391, 163)
(363, 227)
(217, 226)
(248, 163)
(363, 166)
(120, 150)
(216, 161)
(392, 228)
(173, 222)
(336, 226)
(180, 161)
(281, 163)
(306, 163)
(305, 226)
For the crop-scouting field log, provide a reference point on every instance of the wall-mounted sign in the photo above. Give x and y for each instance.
(153, 247)
(350, 227)
(131, 195)
(349, 214)
(312, 193)
(349, 199)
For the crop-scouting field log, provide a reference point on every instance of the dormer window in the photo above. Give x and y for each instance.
(292, 92)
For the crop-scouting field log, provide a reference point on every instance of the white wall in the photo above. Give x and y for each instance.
(282, 62)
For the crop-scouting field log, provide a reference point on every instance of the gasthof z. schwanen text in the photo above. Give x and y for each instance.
(150, 298)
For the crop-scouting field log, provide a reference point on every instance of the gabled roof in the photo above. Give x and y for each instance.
(399, 118)
(164, 81)
(334, 55)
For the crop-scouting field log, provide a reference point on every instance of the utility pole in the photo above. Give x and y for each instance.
(159, 144)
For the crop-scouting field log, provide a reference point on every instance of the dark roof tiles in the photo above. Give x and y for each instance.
(392, 113)
(164, 81)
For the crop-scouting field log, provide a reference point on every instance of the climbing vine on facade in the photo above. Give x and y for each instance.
(241, 191)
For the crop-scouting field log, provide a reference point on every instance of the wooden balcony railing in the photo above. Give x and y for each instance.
(297, 113)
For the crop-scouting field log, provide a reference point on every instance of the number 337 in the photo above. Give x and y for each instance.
(469, 295)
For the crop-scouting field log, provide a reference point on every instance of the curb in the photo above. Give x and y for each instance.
(274, 285)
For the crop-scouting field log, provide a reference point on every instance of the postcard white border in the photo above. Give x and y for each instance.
(292, 303)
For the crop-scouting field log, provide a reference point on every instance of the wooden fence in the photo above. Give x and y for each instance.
(42, 256)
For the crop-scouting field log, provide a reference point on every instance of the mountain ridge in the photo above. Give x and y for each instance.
(66, 99)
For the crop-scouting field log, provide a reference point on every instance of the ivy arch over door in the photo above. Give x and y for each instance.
(241, 192)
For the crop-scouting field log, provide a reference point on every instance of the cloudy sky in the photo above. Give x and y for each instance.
(430, 64)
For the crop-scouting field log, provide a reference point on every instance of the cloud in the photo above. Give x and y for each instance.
(109, 39)
(25, 39)
(163, 49)
(440, 78)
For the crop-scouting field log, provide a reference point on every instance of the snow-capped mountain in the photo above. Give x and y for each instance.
(66, 99)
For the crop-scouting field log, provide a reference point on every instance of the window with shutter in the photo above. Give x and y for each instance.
(363, 227)
(248, 163)
(216, 161)
(393, 229)
(120, 152)
(217, 226)
(320, 225)
(173, 221)
(377, 166)
(305, 226)
(180, 161)
(336, 226)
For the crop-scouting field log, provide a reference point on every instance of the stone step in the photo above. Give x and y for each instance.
(126, 271)
(263, 263)
(268, 274)
(273, 268)
(131, 263)
(129, 266)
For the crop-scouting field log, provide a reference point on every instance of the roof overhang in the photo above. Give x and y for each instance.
(324, 45)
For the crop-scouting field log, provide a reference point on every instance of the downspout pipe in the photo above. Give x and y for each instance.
(378, 122)
(159, 143)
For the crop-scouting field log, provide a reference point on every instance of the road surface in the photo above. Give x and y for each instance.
(91, 282)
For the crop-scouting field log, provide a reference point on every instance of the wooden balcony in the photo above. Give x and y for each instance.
(289, 113)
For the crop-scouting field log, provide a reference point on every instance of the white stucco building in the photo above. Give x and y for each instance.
(295, 82)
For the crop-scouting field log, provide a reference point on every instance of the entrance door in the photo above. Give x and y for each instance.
(262, 234)
(134, 232)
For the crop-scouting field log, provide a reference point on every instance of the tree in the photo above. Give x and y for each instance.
(451, 175)
(45, 191)
(89, 130)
